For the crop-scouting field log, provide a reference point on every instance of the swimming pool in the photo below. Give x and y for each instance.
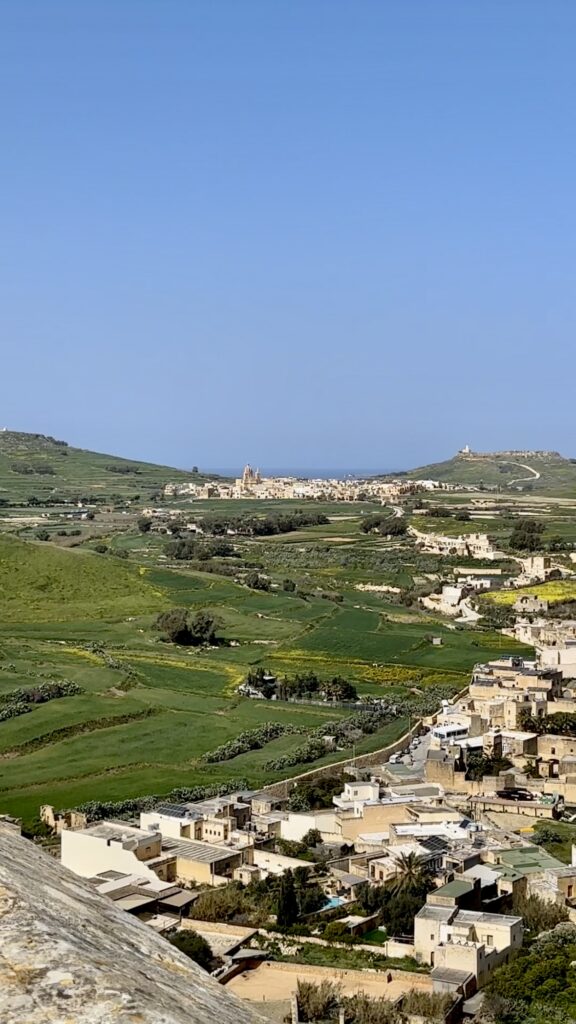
(333, 902)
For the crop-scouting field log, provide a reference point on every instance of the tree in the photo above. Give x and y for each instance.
(526, 535)
(101, 549)
(385, 525)
(478, 765)
(144, 524)
(338, 689)
(287, 910)
(194, 946)
(42, 535)
(289, 586)
(538, 986)
(539, 915)
(179, 627)
(256, 582)
(202, 629)
(410, 874)
(173, 625)
(313, 837)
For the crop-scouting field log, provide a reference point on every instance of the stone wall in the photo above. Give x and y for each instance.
(377, 757)
(285, 786)
(68, 953)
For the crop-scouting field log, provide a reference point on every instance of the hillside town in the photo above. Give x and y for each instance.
(251, 484)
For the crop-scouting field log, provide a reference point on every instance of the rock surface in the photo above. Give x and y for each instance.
(69, 956)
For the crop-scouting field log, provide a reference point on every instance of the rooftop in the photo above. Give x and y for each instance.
(433, 913)
(449, 975)
(480, 917)
(117, 831)
(529, 859)
(456, 888)
(201, 853)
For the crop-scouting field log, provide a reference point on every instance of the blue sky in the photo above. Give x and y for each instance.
(295, 232)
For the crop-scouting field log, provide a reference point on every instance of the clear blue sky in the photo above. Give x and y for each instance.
(295, 232)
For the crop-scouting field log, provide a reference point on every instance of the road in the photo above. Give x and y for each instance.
(534, 474)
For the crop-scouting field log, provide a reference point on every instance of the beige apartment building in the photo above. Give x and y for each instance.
(466, 940)
(114, 846)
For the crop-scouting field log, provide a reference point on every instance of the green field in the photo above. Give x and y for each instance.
(150, 710)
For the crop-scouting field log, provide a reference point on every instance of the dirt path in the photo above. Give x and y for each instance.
(534, 474)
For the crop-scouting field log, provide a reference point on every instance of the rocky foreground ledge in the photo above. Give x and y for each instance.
(69, 956)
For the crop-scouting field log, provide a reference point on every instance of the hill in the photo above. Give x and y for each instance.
(42, 583)
(537, 471)
(40, 466)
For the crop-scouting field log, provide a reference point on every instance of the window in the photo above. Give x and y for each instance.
(489, 940)
(553, 750)
(570, 890)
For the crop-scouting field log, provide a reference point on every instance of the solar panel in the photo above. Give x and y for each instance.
(435, 844)
(173, 810)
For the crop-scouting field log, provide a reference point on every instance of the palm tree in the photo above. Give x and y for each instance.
(410, 874)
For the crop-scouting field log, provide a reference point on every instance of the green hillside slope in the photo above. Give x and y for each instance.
(42, 583)
(540, 472)
(40, 466)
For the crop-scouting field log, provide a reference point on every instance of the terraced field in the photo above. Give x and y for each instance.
(149, 711)
(33, 464)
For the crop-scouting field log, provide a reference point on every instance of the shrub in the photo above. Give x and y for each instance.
(252, 739)
(194, 946)
(335, 930)
(318, 1002)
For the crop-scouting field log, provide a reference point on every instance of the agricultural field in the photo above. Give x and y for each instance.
(555, 592)
(148, 711)
(33, 464)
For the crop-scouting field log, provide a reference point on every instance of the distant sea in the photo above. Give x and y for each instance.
(306, 474)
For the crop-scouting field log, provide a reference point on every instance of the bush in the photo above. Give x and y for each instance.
(335, 930)
(318, 1002)
(21, 701)
(252, 739)
(194, 946)
(430, 1005)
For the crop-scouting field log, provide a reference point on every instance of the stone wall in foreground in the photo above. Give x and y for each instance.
(68, 954)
